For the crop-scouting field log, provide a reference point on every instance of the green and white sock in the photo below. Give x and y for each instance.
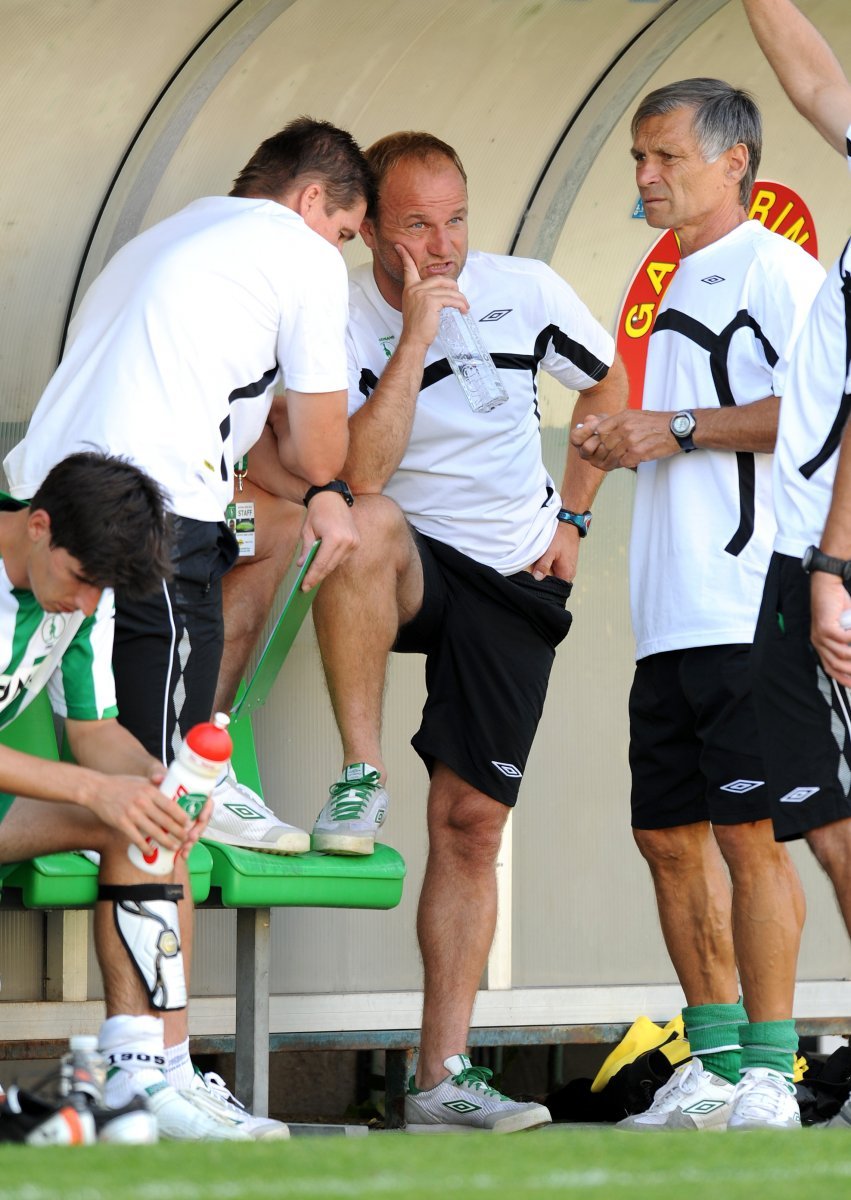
(713, 1034)
(771, 1044)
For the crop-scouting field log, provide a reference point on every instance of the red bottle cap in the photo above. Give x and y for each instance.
(211, 739)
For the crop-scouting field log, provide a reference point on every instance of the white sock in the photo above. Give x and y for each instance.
(133, 1049)
(178, 1065)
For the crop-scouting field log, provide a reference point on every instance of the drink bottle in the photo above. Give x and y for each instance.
(83, 1070)
(203, 754)
(470, 361)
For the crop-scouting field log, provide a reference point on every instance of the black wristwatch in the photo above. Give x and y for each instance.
(582, 520)
(682, 426)
(336, 485)
(816, 560)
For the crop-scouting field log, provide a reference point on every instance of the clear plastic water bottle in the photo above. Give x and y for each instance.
(203, 755)
(468, 358)
(82, 1071)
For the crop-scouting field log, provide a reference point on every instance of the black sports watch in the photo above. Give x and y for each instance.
(682, 426)
(336, 485)
(816, 560)
(582, 520)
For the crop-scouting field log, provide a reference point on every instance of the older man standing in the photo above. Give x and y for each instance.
(701, 537)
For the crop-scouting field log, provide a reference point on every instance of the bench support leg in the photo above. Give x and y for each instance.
(398, 1065)
(252, 1009)
(66, 948)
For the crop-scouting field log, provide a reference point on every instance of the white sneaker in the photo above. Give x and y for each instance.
(212, 1093)
(356, 809)
(693, 1098)
(240, 818)
(465, 1103)
(764, 1099)
(179, 1118)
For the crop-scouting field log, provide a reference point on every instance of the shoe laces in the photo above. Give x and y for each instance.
(220, 1090)
(349, 799)
(476, 1078)
(759, 1095)
(684, 1081)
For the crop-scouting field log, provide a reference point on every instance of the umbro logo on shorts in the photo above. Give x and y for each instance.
(495, 314)
(743, 785)
(713, 279)
(798, 795)
(508, 769)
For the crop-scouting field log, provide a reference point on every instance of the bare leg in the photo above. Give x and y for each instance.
(39, 827)
(357, 613)
(455, 923)
(694, 902)
(832, 847)
(249, 589)
(768, 916)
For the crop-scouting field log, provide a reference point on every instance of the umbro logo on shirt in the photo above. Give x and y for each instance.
(742, 785)
(495, 314)
(713, 279)
(508, 769)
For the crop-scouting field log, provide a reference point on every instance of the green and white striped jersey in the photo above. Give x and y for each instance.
(69, 653)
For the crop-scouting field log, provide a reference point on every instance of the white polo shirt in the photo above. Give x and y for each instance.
(814, 413)
(173, 356)
(477, 481)
(703, 523)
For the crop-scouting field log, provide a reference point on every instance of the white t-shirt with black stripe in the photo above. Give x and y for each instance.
(703, 523)
(173, 356)
(814, 413)
(477, 481)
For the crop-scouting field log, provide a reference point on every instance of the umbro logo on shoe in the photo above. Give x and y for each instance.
(244, 811)
(508, 769)
(743, 785)
(704, 1106)
(462, 1106)
(798, 795)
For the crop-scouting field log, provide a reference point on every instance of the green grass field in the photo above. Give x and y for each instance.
(563, 1162)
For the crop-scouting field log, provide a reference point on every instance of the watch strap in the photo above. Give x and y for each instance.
(582, 520)
(815, 559)
(335, 485)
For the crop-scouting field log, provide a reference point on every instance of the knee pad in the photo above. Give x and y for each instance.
(146, 920)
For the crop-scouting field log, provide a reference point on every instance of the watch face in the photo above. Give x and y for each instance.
(807, 557)
(682, 424)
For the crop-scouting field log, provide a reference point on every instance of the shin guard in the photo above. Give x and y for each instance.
(147, 924)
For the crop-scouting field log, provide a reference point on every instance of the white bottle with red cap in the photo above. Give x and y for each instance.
(203, 755)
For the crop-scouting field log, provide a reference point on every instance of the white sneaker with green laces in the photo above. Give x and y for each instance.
(210, 1093)
(693, 1098)
(240, 818)
(764, 1099)
(356, 809)
(466, 1103)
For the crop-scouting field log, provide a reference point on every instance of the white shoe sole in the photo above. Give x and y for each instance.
(288, 843)
(344, 843)
(518, 1123)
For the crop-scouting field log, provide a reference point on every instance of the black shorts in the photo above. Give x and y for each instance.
(694, 750)
(803, 713)
(489, 642)
(168, 647)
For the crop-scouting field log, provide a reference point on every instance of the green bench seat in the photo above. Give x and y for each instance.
(246, 879)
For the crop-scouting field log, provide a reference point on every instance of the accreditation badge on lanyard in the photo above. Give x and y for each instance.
(240, 513)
